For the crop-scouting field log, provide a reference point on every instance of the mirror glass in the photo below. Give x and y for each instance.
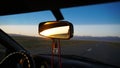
(56, 29)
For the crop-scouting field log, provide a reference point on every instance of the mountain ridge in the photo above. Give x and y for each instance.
(91, 38)
(106, 39)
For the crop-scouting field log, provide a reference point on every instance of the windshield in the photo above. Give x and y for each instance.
(96, 31)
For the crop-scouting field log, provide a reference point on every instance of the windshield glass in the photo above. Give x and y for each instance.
(96, 31)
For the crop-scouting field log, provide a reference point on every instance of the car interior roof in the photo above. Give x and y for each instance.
(8, 7)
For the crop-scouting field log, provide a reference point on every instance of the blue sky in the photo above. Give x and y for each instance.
(94, 15)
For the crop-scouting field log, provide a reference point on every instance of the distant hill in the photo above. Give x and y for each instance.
(16, 35)
(106, 39)
(19, 35)
(25, 36)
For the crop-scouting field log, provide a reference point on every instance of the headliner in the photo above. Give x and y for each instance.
(8, 7)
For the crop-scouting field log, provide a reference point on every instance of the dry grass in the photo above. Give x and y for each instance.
(107, 52)
(32, 43)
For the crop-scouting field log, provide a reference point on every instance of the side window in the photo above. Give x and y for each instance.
(2, 52)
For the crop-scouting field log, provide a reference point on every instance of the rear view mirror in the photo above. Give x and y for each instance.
(56, 29)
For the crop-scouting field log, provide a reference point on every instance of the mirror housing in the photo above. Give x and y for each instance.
(56, 29)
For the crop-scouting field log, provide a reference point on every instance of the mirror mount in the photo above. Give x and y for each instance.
(57, 13)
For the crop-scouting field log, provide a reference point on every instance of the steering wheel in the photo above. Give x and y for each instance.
(17, 60)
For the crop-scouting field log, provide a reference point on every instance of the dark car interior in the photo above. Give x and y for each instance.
(13, 55)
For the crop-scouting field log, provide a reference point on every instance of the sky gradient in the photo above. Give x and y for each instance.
(94, 20)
